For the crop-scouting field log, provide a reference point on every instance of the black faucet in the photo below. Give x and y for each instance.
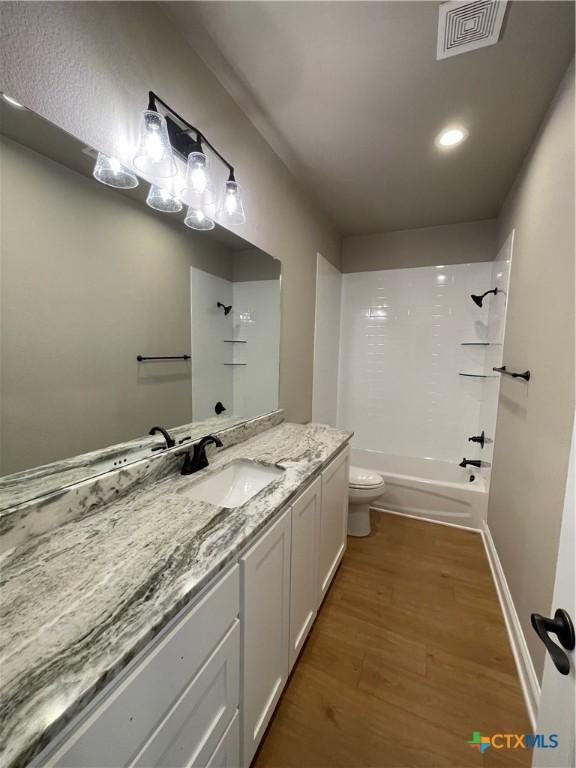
(170, 442)
(472, 462)
(198, 460)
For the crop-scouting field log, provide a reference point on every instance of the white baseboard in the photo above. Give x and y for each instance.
(526, 671)
(425, 519)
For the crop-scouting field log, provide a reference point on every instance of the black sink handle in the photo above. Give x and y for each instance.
(561, 626)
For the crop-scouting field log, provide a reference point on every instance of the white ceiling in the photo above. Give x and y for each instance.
(351, 96)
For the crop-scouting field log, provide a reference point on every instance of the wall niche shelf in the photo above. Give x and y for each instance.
(235, 341)
(235, 363)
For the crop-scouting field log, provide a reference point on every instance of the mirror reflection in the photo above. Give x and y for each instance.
(116, 317)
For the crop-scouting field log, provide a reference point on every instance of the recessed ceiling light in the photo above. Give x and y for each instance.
(12, 101)
(451, 137)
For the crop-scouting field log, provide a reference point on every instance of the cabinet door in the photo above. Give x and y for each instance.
(189, 676)
(304, 570)
(333, 520)
(265, 621)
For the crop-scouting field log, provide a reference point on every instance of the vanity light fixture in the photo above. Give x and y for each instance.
(188, 143)
(111, 172)
(451, 137)
(12, 101)
(162, 200)
(154, 154)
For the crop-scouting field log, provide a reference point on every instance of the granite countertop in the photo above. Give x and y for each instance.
(31, 483)
(79, 601)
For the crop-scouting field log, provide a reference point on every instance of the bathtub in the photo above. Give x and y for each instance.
(427, 488)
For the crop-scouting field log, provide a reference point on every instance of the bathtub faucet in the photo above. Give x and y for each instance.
(472, 462)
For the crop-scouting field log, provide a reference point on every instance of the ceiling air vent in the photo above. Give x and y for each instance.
(465, 25)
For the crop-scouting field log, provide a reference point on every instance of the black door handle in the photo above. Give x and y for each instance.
(561, 625)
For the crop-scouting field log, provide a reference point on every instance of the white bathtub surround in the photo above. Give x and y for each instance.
(495, 319)
(211, 381)
(256, 320)
(430, 489)
(416, 381)
(326, 342)
(235, 357)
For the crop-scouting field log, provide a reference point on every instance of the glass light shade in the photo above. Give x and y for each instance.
(110, 171)
(154, 155)
(161, 200)
(196, 219)
(198, 191)
(231, 211)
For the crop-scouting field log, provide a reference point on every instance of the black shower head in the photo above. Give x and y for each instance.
(227, 309)
(479, 299)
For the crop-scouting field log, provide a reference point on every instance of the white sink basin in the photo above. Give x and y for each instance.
(234, 484)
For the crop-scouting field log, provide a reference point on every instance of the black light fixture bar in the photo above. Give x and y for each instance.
(179, 136)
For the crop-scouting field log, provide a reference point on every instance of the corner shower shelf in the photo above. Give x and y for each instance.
(478, 375)
(480, 343)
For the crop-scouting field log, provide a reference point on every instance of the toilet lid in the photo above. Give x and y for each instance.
(364, 478)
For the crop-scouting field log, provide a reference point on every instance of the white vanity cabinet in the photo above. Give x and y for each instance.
(265, 622)
(175, 706)
(304, 566)
(333, 520)
(202, 694)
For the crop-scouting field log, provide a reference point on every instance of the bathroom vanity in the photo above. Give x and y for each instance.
(148, 618)
(171, 639)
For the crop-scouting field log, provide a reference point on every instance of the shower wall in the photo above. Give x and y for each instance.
(235, 357)
(407, 336)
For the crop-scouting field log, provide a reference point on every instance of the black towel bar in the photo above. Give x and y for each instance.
(142, 359)
(514, 374)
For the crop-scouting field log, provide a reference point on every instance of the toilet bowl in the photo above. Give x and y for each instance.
(364, 487)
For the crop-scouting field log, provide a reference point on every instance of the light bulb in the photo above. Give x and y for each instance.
(110, 171)
(451, 137)
(231, 207)
(154, 155)
(162, 200)
(197, 184)
(196, 219)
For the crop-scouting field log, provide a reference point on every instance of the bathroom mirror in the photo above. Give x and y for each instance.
(97, 288)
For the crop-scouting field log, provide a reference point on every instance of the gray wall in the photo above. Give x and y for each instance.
(534, 420)
(90, 279)
(425, 247)
(88, 67)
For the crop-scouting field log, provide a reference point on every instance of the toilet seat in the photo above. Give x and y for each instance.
(364, 478)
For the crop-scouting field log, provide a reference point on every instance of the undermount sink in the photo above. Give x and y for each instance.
(234, 484)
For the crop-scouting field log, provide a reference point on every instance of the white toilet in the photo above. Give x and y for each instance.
(364, 487)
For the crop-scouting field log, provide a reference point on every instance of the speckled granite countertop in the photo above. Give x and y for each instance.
(79, 601)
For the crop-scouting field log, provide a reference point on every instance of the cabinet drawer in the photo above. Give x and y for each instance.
(192, 730)
(119, 728)
(227, 753)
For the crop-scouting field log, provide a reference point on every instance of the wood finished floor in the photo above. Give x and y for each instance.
(407, 658)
